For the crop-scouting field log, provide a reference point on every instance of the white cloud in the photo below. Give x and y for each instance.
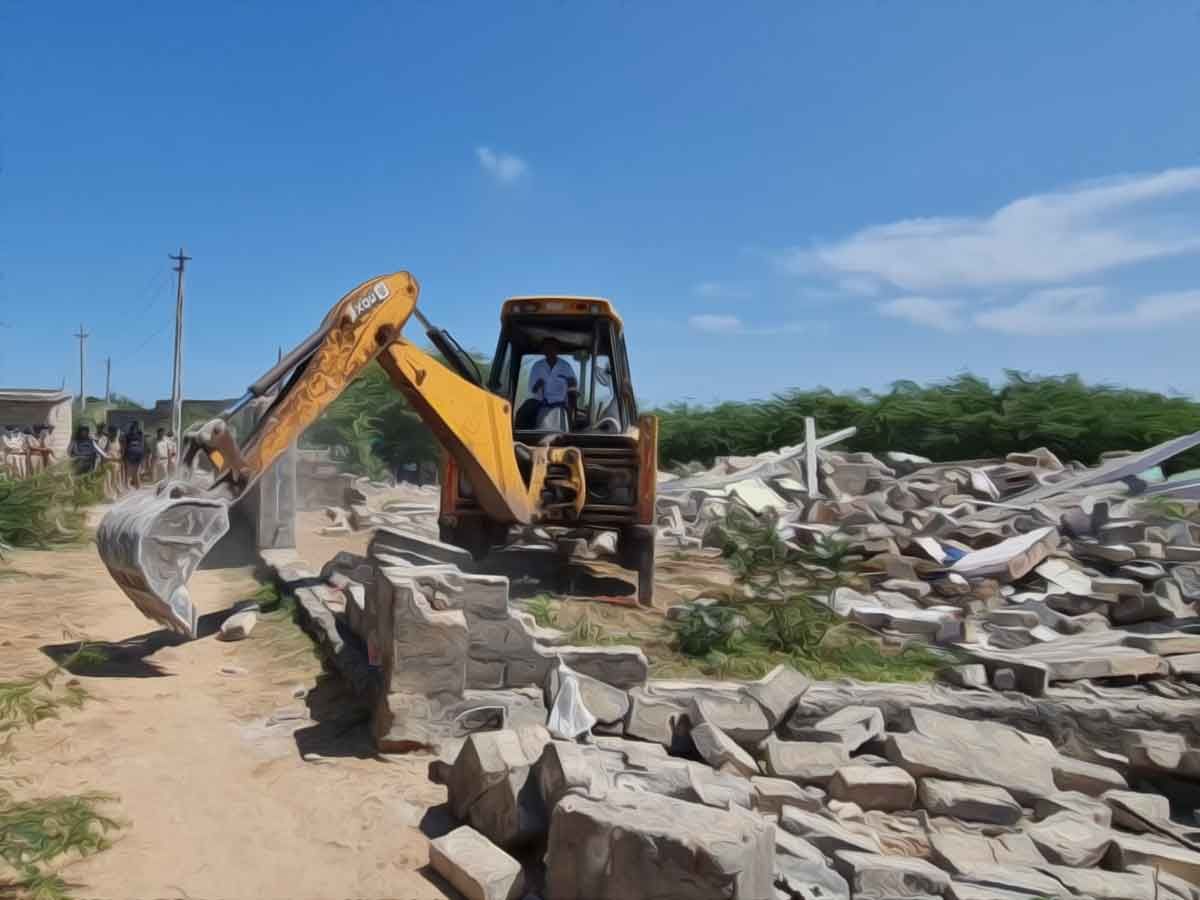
(504, 167)
(713, 324)
(944, 315)
(1083, 309)
(709, 323)
(859, 286)
(712, 290)
(1040, 239)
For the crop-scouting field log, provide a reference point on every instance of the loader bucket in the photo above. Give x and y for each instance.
(151, 544)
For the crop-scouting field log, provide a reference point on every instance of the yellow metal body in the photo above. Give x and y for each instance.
(474, 425)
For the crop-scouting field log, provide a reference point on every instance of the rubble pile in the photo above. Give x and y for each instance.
(571, 774)
(1040, 572)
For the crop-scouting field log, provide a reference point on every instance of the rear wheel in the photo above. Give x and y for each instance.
(637, 553)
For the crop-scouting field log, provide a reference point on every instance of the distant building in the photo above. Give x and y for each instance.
(22, 407)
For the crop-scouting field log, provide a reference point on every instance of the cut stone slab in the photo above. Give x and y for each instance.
(886, 788)
(1091, 808)
(1018, 768)
(778, 692)
(772, 794)
(622, 666)
(1154, 750)
(851, 727)
(398, 542)
(965, 890)
(1021, 881)
(738, 716)
(1185, 666)
(1165, 602)
(608, 704)
(1154, 807)
(1137, 850)
(720, 751)
(969, 802)
(653, 718)
(1187, 577)
(239, 625)
(1065, 577)
(1010, 559)
(1104, 885)
(890, 876)
(475, 867)
(826, 834)
(963, 851)
(638, 846)
(805, 871)
(487, 785)
(1070, 839)
(967, 675)
(1171, 643)
(806, 762)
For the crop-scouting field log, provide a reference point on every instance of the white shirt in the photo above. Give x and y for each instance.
(557, 380)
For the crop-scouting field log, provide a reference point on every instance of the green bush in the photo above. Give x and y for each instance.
(47, 508)
(961, 418)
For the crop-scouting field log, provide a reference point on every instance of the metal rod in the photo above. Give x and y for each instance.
(177, 371)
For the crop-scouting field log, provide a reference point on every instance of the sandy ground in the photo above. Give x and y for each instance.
(230, 786)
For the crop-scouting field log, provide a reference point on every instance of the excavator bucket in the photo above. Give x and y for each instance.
(151, 544)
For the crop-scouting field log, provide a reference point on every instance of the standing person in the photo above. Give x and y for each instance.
(12, 445)
(83, 452)
(172, 451)
(161, 453)
(40, 453)
(134, 454)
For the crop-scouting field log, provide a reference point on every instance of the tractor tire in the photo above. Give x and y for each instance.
(636, 552)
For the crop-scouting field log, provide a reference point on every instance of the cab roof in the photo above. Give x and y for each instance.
(559, 305)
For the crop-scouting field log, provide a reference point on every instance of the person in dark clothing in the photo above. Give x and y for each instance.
(135, 454)
(83, 452)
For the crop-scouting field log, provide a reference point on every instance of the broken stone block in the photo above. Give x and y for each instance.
(826, 834)
(1069, 839)
(238, 626)
(806, 762)
(1166, 602)
(489, 785)
(619, 665)
(420, 650)
(1154, 750)
(608, 704)
(1092, 779)
(889, 876)
(1092, 808)
(1004, 679)
(1170, 643)
(886, 788)
(475, 867)
(1185, 666)
(1187, 579)
(804, 870)
(1144, 850)
(772, 794)
(638, 846)
(738, 716)
(778, 692)
(969, 802)
(720, 751)
(422, 550)
(653, 718)
(967, 675)
(851, 726)
(1010, 559)
(1154, 807)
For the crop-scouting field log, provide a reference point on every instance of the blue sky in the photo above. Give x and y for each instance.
(773, 194)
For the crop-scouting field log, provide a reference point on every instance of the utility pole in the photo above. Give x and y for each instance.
(83, 336)
(177, 376)
(108, 380)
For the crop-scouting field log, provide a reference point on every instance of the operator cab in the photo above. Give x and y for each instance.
(591, 341)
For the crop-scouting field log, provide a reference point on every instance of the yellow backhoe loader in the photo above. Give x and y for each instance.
(510, 458)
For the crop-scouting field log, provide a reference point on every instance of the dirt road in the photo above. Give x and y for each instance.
(231, 785)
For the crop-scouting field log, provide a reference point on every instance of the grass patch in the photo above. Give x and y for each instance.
(38, 832)
(543, 609)
(784, 619)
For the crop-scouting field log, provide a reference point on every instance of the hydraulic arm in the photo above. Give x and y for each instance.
(152, 543)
